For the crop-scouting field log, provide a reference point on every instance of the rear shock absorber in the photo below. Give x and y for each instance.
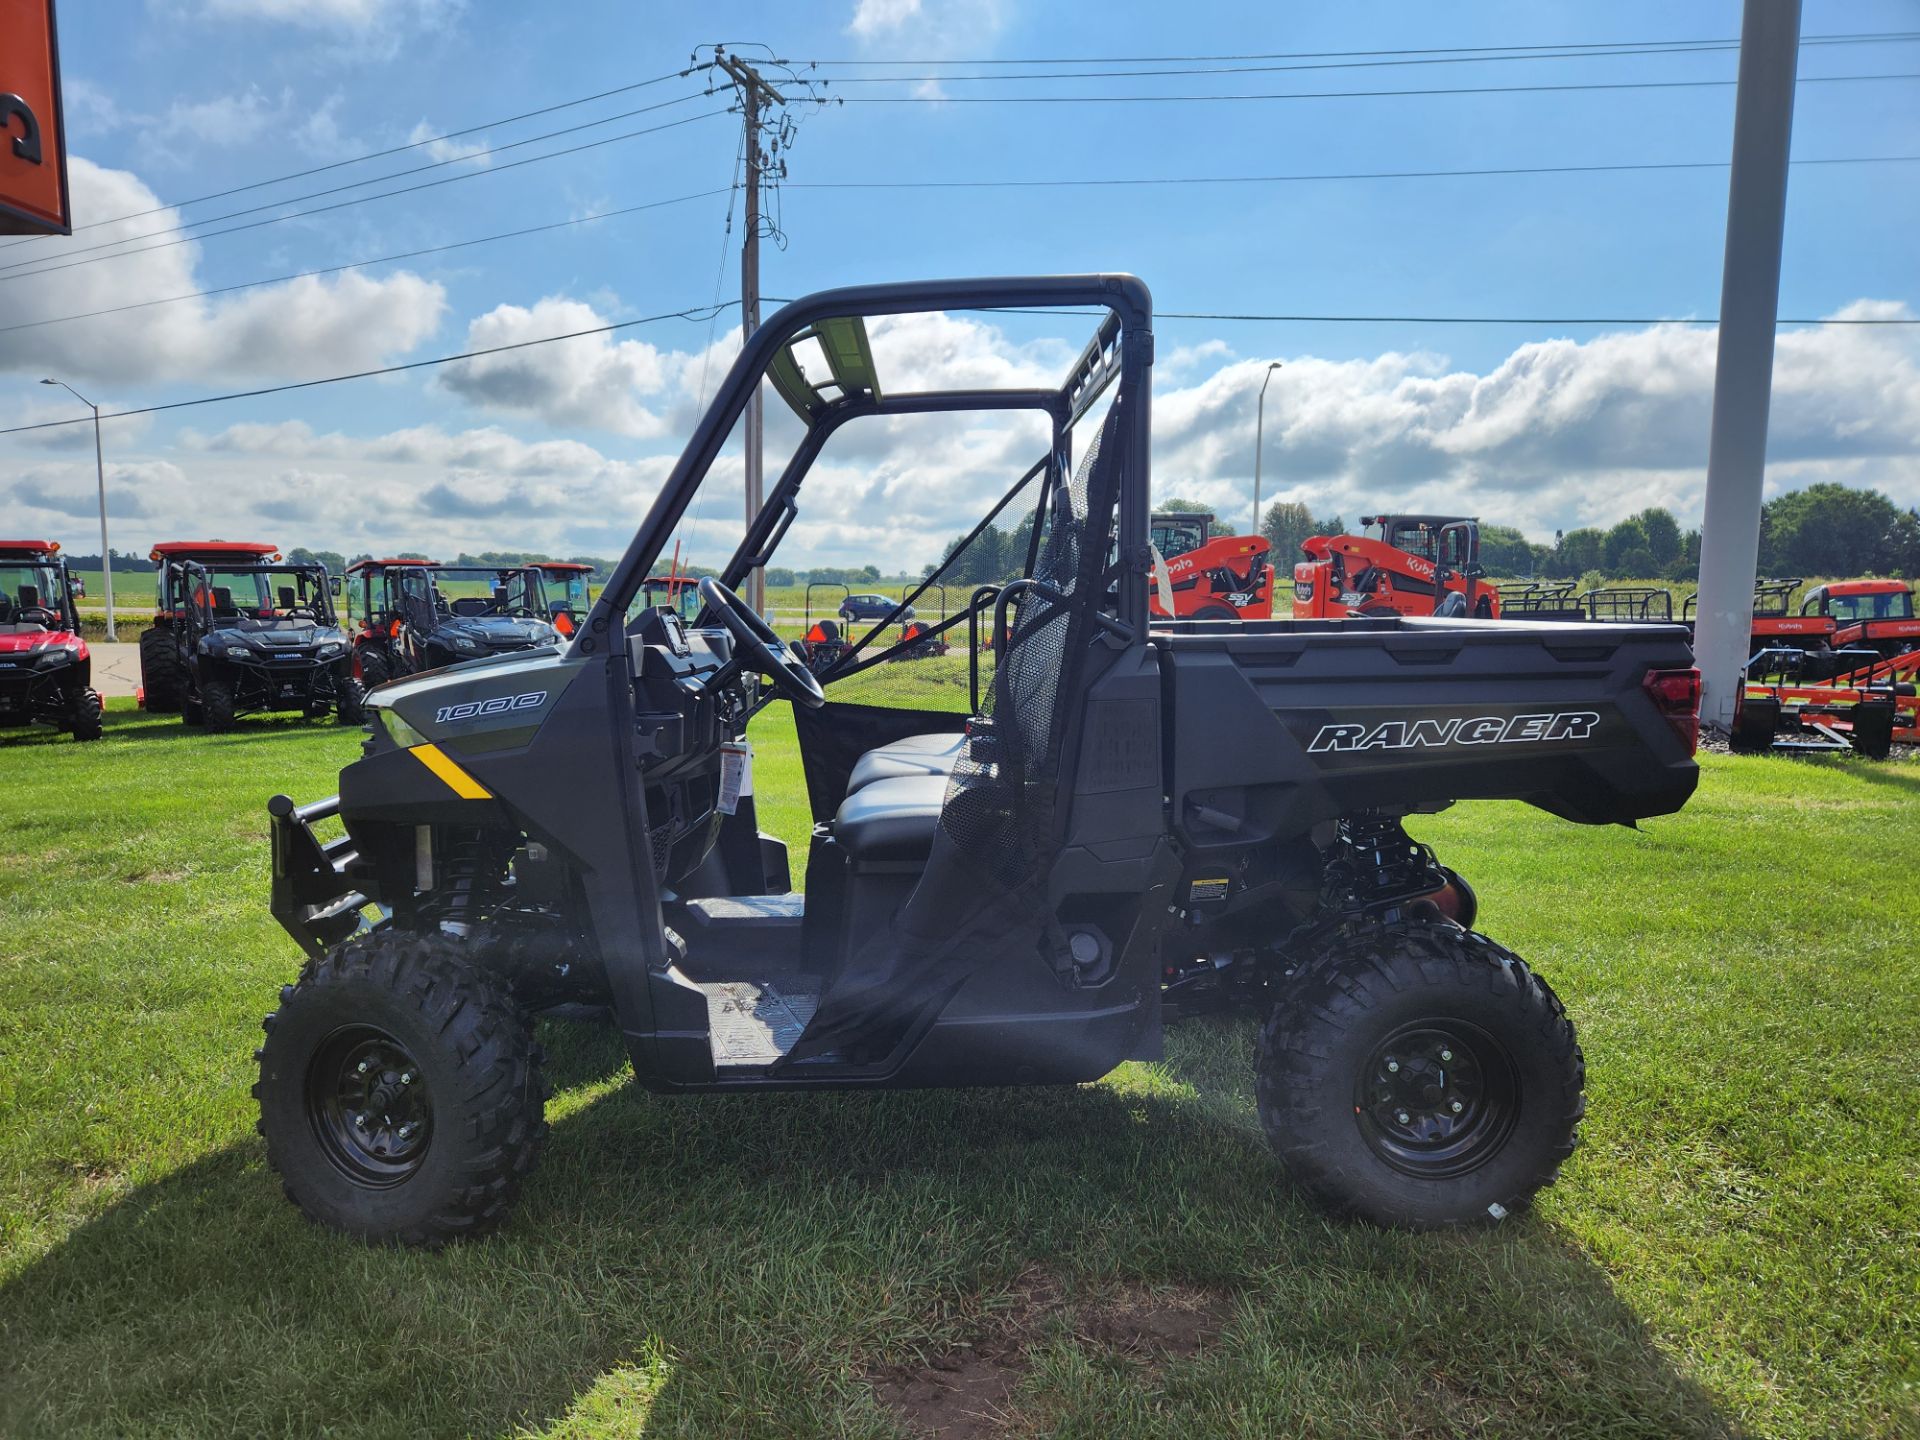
(471, 865)
(1377, 868)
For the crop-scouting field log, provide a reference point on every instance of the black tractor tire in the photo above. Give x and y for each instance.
(1421, 1077)
(162, 676)
(349, 701)
(216, 705)
(449, 1052)
(373, 669)
(1215, 612)
(86, 715)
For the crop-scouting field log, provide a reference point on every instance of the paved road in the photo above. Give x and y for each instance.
(116, 668)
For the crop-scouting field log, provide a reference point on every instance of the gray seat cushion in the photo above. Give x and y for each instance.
(892, 819)
(909, 758)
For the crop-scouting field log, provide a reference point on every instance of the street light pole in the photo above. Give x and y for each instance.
(100, 480)
(1259, 439)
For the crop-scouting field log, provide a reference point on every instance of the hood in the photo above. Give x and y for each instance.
(271, 635)
(24, 639)
(495, 632)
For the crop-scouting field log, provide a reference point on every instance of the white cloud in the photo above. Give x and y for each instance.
(934, 29)
(297, 330)
(595, 381)
(1559, 433)
(346, 15)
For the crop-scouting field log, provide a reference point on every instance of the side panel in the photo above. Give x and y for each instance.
(1277, 728)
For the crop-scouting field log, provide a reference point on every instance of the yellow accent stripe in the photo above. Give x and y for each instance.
(458, 780)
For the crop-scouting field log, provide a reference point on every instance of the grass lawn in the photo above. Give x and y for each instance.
(1735, 1249)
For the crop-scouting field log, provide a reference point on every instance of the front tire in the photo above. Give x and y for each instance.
(400, 1092)
(1421, 1077)
(216, 705)
(349, 701)
(373, 668)
(87, 718)
(162, 677)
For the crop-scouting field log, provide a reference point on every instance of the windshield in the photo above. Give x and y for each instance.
(228, 597)
(477, 590)
(1175, 537)
(26, 586)
(568, 589)
(1887, 605)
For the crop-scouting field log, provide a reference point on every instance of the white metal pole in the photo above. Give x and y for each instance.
(1259, 442)
(106, 554)
(1743, 374)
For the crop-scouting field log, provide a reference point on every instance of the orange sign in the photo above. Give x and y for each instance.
(33, 133)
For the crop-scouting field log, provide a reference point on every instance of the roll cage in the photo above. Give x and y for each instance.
(1120, 349)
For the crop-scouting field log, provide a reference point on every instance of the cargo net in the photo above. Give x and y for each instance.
(998, 809)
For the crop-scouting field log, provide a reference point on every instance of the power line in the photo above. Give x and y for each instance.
(1057, 183)
(361, 199)
(372, 180)
(360, 264)
(1703, 47)
(1324, 94)
(390, 150)
(696, 313)
(1651, 46)
(705, 312)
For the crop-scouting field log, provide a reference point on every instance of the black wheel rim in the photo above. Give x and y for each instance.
(369, 1106)
(1437, 1098)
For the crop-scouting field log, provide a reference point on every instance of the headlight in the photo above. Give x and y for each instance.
(238, 652)
(398, 731)
(463, 642)
(53, 657)
(331, 649)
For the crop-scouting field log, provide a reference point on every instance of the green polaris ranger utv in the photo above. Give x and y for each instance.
(1104, 823)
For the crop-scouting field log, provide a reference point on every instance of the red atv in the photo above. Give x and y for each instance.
(46, 671)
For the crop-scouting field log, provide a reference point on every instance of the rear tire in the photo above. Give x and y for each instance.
(1215, 612)
(373, 669)
(86, 715)
(431, 1142)
(162, 676)
(349, 701)
(1422, 1077)
(216, 705)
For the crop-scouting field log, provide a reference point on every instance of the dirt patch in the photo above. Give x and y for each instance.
(154, 877)
(1156, 1325)
(967, 1393)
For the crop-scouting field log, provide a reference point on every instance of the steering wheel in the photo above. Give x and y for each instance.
(38, 615)
(765, 652)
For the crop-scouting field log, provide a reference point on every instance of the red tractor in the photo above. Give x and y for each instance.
(1416, 565)
(46, 671)
(1867, 615)
(1208, 576)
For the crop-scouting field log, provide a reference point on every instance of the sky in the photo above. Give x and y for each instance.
(560, 447)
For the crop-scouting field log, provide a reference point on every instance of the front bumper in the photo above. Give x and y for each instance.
(311, 896)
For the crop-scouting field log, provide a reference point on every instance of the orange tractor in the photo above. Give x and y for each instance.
(1207, 576)
(1415, 565)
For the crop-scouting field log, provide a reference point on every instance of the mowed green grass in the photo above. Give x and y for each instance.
(1733, 1250)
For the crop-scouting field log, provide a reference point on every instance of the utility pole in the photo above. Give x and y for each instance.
(755, 96)
(1743, 372)
(1259, 444)
(100, 480)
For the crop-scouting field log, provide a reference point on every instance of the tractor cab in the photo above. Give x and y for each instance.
(1874, 615)
(45, 666)
(566, 592)
(678, 593)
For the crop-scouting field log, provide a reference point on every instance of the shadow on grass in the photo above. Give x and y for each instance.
(1901, 774)
(741, 1265)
